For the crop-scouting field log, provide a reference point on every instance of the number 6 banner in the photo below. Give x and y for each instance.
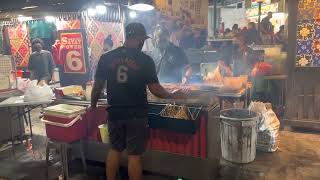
(73, 52)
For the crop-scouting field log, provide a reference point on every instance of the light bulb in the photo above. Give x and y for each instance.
(92, 12)
(101, 9)
(132, 14)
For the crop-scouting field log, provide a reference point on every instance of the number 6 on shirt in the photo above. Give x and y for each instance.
(122, 74)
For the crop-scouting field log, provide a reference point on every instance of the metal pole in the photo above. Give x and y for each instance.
(122, 19)
(259, 18)
(215, 18)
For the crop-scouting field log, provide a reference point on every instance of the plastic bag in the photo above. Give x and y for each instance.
(23, 84)
(38, 93)
(268, 127)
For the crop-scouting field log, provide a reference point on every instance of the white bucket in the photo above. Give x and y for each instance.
(238, 132)
(104, 133)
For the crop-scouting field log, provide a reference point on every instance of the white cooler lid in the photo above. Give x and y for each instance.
(64, 110)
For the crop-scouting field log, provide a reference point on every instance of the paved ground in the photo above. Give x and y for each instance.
(297, 159)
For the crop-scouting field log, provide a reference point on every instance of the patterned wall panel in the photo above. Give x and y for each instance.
(20, 44)
(308, 34)
(68, 24)
(97, 31)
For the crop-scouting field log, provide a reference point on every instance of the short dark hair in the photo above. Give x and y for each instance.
(36, 41)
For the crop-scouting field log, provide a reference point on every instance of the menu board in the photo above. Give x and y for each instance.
(4, 82)
(254, 3)
(254, 11)
(6, 67)
(190, 12)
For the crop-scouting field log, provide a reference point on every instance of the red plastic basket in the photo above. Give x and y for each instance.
(65, 129)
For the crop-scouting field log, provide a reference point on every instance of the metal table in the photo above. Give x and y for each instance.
(19, 109)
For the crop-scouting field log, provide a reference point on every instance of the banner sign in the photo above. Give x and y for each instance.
(72, 52)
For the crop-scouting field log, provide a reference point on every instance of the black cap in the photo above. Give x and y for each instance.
(136, 30)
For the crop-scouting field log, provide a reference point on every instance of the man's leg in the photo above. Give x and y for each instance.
(135, 167)
(117, 137)
(136, 141)
(112, 164)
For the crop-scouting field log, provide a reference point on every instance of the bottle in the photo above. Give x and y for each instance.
(88, 91)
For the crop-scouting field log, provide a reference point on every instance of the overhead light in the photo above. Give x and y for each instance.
(50, 19)
(29, 7)
(101, 9)
(92, 12)
(132, 14)
(141, 5)
(22, 18)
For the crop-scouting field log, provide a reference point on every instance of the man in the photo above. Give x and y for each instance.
(266, 29)
(251, 36)
(171, 61)
(41, 63)
(128, 72)
(108, 44)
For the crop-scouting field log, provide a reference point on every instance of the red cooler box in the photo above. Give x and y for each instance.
(65, 122)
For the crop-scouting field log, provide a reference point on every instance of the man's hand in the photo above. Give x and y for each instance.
(180, 93)
(96, 91)
(92, 108)
(42, 83)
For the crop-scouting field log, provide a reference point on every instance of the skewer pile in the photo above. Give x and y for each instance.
(178, 112)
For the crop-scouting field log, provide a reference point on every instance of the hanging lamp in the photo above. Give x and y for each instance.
(141, 5)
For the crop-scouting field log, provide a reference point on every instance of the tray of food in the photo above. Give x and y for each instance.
(177, 118)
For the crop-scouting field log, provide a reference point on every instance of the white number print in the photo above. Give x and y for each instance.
(122, 74)
(73, 61)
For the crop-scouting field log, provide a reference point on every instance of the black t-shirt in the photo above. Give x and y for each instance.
(266, 25)
(127, 72)
(170, 63)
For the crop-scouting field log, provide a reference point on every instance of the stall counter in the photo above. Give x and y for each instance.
(201, 148)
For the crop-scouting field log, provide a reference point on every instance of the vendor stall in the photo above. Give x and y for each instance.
(176, 144)
(172, 142)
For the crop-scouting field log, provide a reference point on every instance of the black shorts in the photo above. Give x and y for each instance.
(129, 134)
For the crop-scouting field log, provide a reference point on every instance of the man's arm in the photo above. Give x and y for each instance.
(187, 67)
(99, 82)
(96, 91)
(157, 90)
(31, 68)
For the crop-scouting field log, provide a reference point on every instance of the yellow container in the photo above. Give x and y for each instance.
(104, 133)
